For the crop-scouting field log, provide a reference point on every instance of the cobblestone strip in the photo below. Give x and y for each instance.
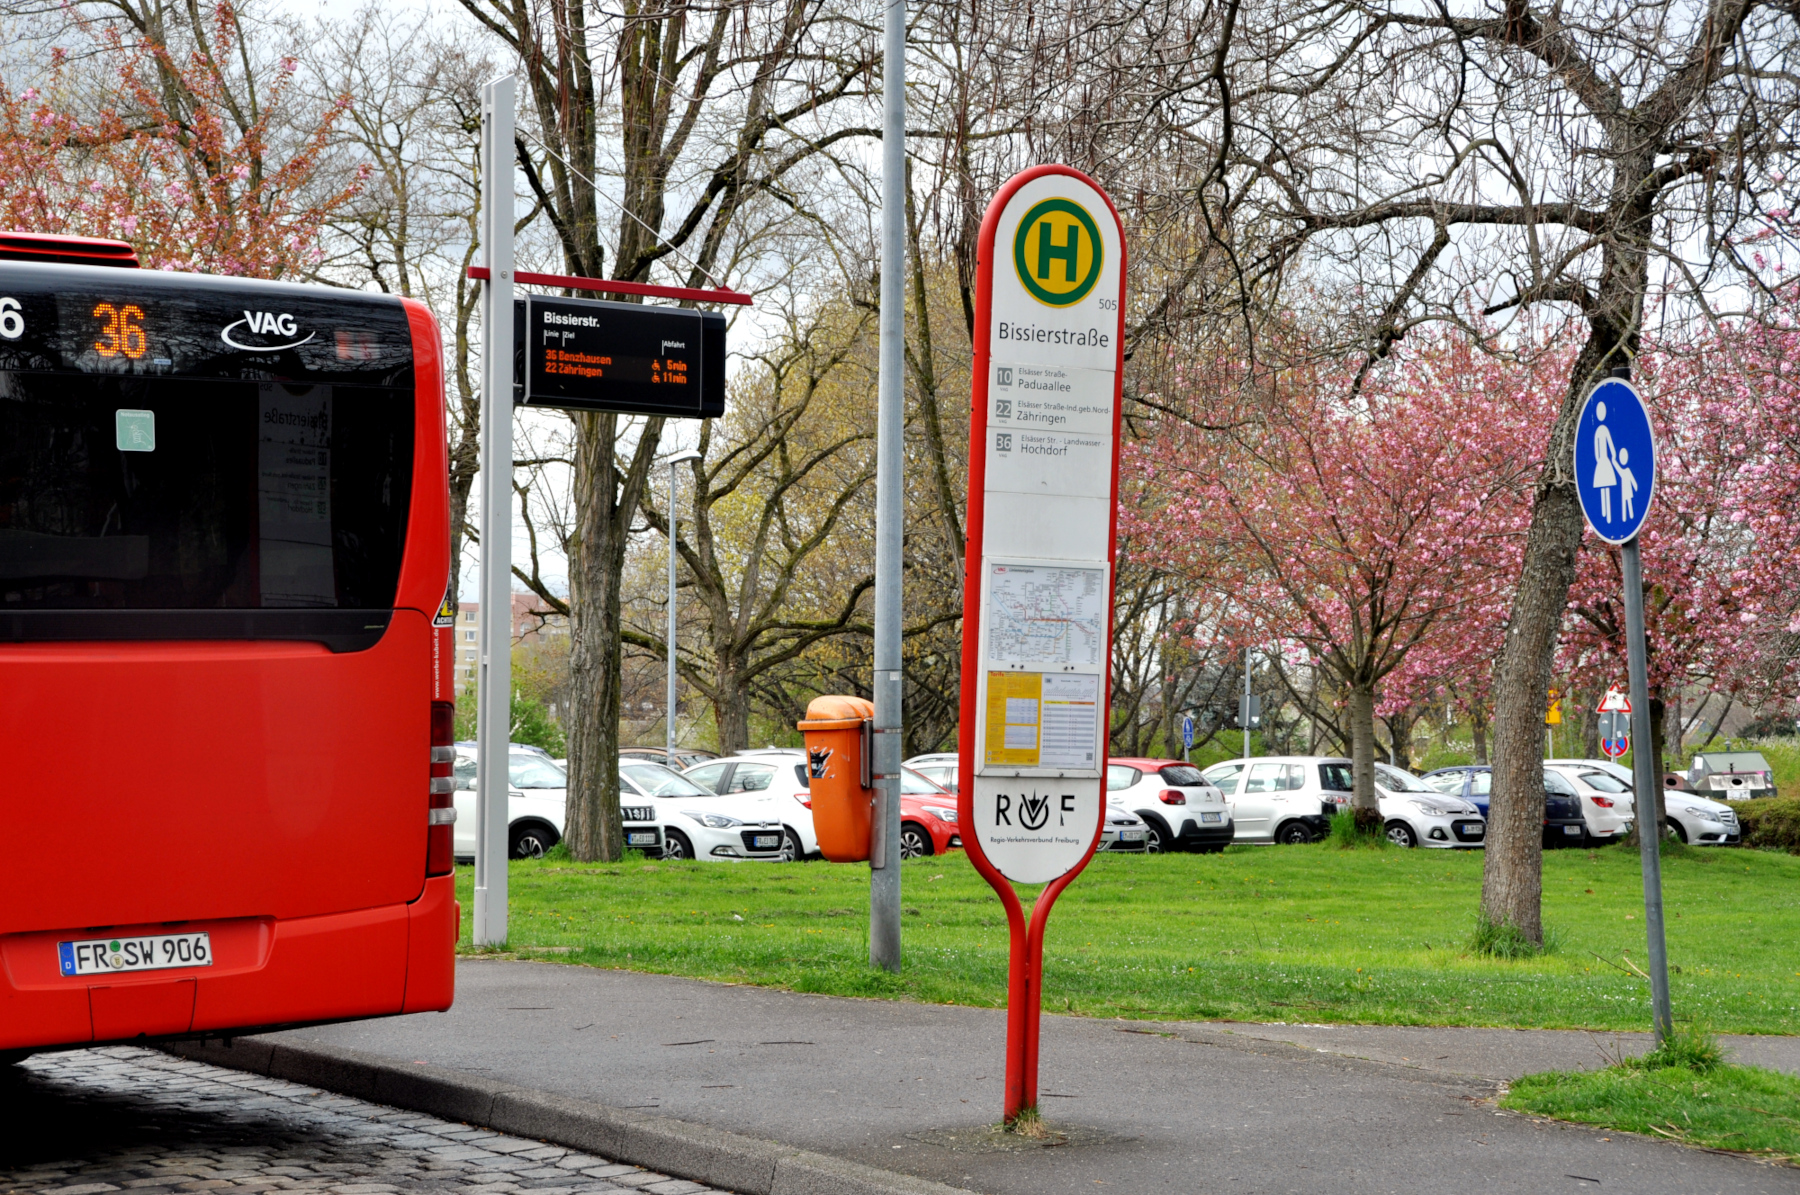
(138, 1121)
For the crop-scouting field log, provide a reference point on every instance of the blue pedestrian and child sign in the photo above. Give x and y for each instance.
(1615, 460)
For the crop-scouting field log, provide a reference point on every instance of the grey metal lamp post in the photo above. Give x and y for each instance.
(674, 458)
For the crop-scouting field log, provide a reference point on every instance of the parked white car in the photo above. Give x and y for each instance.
(1693, 818)
(1124, 832)
(537, 806)
(1283, 798)
(1415, 814)
(927, 812)
(1181, 808)
(939, 767)
(778, 773)
(1607, 805)
(700, 823)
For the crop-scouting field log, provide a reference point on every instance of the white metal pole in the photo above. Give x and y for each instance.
(493, 784)
(884, 847)
(1246, 703)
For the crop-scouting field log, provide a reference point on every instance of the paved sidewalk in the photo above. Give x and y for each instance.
(92, 1121)
(1147, 1107)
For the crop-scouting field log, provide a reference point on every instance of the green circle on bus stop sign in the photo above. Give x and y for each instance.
(1058, 253)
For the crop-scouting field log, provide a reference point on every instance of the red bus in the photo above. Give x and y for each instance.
(225, 683)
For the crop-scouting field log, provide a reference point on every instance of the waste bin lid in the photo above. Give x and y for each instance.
(835, 712)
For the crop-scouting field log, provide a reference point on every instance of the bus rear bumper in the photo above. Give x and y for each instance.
(266, 972)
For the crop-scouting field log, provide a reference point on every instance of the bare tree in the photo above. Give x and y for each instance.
(715, 107)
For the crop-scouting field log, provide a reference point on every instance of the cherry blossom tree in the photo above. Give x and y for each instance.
(1368, 526)
(1720, 551)
(200, 165)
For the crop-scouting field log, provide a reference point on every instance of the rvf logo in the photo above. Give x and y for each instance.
(1032, 809)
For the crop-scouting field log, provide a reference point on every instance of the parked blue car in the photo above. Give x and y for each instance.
(1563, 823)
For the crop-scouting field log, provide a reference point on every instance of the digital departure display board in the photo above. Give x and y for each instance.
(593, 355)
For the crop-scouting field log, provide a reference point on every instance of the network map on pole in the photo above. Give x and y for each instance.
(1041, 615)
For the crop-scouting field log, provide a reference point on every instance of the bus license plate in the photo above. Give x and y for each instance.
(105, 956)
(765, 842)
(641, 838)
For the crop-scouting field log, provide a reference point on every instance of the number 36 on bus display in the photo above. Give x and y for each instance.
(121, 335)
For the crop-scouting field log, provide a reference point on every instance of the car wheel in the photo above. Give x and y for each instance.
(1294, 834)
(791, 850)
(1400, 834)
(1677, 831)
(530, 842)
(676, 845)
(915, 841)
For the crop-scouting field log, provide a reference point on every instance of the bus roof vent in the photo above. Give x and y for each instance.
(86, 251)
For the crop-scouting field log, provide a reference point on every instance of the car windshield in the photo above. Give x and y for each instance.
(915, 784)
(534, 771)
(1444, 782)
(1395, 780)
(658, 781)
(1604, 782)
(1181, 773)
(1556, 785)
(1225, 778)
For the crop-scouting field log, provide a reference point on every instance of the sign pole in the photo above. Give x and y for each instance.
(1647, 784)
(884, 844)
(1038, 574)
(493, 782)
(1615, 480)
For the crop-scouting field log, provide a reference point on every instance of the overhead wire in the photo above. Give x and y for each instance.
(598, 190)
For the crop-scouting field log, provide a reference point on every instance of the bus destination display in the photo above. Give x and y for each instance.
(589, 354)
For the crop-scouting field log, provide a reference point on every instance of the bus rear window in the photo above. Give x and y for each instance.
(152, 494)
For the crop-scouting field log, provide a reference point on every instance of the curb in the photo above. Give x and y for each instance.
(682, 1149)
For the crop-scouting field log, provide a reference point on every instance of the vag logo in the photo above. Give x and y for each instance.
(1057, 252)
(264, 323)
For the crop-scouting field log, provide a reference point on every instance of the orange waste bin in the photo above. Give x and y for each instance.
(837, 738)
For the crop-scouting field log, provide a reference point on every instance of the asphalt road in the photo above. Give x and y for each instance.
(91, 1121)
(1145, 1107)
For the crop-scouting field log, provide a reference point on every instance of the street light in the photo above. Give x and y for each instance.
(675, 458)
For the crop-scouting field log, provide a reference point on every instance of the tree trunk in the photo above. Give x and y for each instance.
(731, 707)
(1400, 728)
(1363, 802)
(1512, 882)
(1590, 723)
(596, 554)
(1651, 809)
(1478, 727)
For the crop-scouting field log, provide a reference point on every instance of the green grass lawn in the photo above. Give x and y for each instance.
(1729, 1107)
(1273, 933)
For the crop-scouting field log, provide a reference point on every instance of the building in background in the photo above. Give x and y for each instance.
(532, 621)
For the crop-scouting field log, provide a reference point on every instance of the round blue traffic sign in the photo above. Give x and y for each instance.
(1615, 460)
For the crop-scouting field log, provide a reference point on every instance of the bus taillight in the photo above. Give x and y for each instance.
(440, 845)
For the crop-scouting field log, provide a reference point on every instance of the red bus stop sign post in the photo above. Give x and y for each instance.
(1037, 599)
